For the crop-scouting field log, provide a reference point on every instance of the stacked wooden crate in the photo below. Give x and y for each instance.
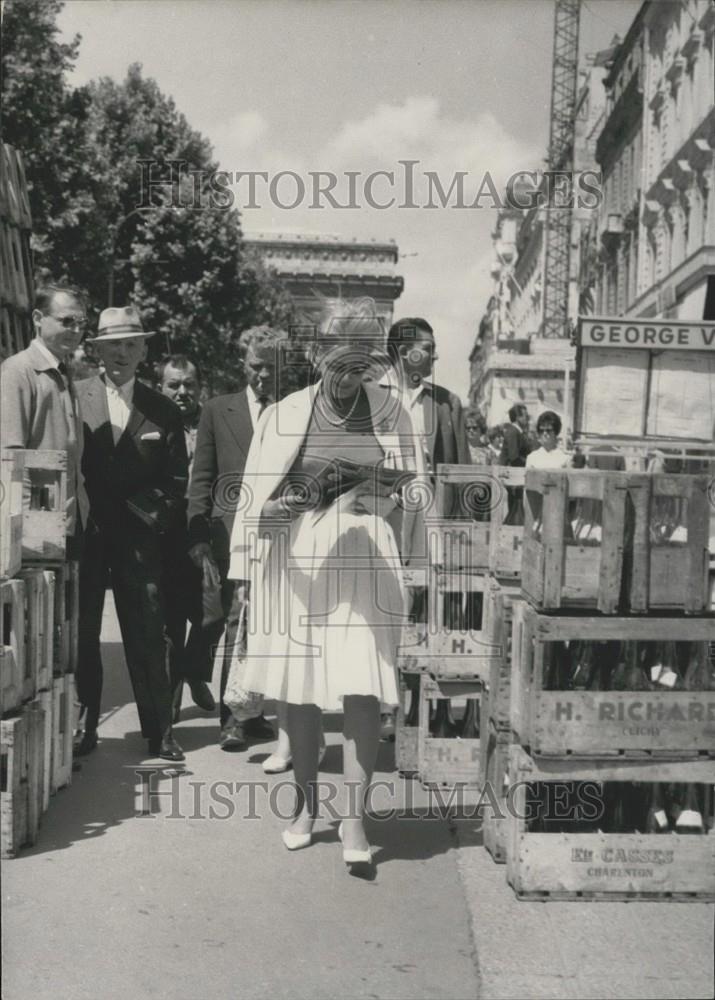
(468, 535)
(39, 607)
(612, 727)
(16, 285)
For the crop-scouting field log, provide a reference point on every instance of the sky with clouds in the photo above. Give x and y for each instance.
(358, 85)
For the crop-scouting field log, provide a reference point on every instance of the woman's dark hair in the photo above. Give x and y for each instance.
(548, 419)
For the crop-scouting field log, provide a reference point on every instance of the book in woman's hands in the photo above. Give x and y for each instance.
(330, 478)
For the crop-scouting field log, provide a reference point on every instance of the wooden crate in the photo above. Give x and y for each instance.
(677, 560)
(605, 866)
(44, 523)
(473, 528)
(12, 659)
(405, 735)
(11, 465)
(561, 571)
(499, 605)
(62, 731)
(71, 570)
(457, 645)
(13, 790)
(446, 762)
(35, 722)
(35, 647)
(14, 200)
(47, 632)
(66, 609)
(507, 530)
(495, 769)
(45, 702)
(606, 723)
(458, 534)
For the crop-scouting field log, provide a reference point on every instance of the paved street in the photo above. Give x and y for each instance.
(109, 904)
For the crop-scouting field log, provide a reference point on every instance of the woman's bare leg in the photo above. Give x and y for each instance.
(303, 727)
(283, 747)
(361, 730)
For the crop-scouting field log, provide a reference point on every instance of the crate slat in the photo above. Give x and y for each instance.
(11, 465)
(12, 661)
(13, 791)
(495, 768)
(405, 735)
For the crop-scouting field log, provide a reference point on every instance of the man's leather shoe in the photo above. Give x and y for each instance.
(202, 696)
(259, 728)
(87, 744)
(167, 748)
(233, 736)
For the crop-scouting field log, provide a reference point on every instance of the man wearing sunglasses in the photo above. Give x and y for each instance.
(39, 404)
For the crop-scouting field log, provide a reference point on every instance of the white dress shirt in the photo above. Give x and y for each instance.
(254, 406)
(543, 459)
(119, 403)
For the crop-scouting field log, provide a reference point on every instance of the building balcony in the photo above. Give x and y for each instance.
(675, 71)
(612, 229)
(692, 44)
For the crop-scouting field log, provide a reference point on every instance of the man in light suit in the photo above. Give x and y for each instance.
(222, 443)
(39, 403)
(136, 471)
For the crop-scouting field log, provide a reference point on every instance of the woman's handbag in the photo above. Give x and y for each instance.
(241, 703)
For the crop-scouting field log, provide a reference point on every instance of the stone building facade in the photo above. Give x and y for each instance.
(656, 152)
(315, 267)
(511, 360)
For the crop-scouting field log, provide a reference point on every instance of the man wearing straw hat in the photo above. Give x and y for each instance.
(136, 471)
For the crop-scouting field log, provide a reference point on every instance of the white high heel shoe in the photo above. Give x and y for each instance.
(296, 841)
(277, 764)
(359, 863)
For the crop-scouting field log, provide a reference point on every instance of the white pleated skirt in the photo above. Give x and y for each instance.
(326, 612)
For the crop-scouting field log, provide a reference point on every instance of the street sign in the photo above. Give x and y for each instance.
(648, 334)
(646, 379)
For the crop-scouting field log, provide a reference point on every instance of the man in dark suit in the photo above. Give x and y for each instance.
(515, 446)
(180, 381)
(136, 471)
(223, 439)
(514, 451)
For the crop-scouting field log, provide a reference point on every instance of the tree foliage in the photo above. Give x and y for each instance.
(89, 153)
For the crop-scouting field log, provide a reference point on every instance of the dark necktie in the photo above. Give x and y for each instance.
(263, 402)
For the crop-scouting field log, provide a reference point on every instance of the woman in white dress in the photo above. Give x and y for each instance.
(324, 562)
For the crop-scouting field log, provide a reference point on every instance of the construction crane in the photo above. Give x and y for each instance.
(557, 227)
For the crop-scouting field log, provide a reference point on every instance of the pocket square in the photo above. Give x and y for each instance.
(151, 436)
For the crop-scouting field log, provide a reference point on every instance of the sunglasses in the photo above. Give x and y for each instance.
(70, 322)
